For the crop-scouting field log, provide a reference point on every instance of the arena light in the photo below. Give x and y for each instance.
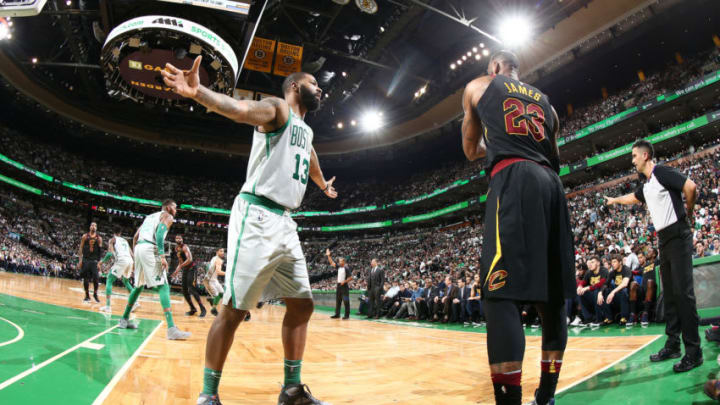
(340, 125)
(452, 66)
(353, 122)
(485, 52)
(477, 56)
(371, 121)
(475, 50)
(514, 31)
(34, 60)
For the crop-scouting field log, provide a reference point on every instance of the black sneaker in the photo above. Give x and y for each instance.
(335, 317)
(214, 311)
(96, 297)
(298, 394)
(345, 317)
(535, 402)
(665, 354)
(247, 317)
(712, 334)
(87, 299)
(203, 312)
(687, 363)
(191, 312)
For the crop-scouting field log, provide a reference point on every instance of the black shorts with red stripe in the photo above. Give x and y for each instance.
(528, 243)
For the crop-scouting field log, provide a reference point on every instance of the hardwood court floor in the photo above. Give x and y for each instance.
(346, 362)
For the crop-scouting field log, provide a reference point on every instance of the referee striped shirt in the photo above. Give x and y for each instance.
(662, 193)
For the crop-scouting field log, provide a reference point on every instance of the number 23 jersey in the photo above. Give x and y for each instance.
(517, 122)
(279, 164)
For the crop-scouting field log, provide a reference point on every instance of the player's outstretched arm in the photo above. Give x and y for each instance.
(327, 253)
(627, 199)
(316, 175)
(257, 113)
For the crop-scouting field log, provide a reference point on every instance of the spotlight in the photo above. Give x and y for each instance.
(371, 121)
(469, 53)
(382, 29)
(464, 57)
(485, 52)
(344, 74)
(327, 95)
(340, 125)
(514, 31)
(459, 62)
(68, 2)
(422, 90)
(482, 45)
(475, 49)
(353, 122)
(10, 23)
(417, 94)
(34, 60)
(452, 66)
(477, 56)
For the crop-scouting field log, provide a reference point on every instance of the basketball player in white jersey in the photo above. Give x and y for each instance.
(151, 266)
(118, 248)
(212, 285)
(265, 259)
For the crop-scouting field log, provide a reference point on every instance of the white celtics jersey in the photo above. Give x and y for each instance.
(122, 249)
(211, 275)
(148, 227)
(279, 165)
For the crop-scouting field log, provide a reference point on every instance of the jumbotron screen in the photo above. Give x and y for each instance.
(233, 6)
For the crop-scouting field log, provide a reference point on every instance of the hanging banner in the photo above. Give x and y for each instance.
(289, 59)
(260, 55)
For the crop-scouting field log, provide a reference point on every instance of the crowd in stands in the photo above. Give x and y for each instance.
(96, 173)
(672, 77)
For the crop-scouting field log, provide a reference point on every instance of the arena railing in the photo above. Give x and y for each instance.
(606, 123)
(564, 171)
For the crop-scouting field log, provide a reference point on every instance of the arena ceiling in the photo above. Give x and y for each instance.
(363, 62)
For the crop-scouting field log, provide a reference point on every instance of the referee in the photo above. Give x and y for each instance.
(662, 191)
(342, 292)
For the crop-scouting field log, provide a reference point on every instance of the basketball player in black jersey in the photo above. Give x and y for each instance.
(527, 251)
(89, 252)
(185, 264)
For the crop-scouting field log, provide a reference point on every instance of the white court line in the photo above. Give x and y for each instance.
(33, 312)
(20, 335)
(108, 388)
(609, 365)
(29, 371)
(92, 346)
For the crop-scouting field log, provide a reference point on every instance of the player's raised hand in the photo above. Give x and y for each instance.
(610, 200)
(330, 190)
(183, 82)
(327, 252)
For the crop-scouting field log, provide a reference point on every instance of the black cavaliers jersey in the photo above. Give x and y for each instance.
(180, 254)
(517, 122)
(91, 248)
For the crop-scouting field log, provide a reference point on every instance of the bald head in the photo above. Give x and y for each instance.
(503, 62)
(293, 78)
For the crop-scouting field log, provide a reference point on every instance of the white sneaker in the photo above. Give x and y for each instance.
(136, 306)
(576, 322)
(176, 334)
(127, 324)
(105, 309)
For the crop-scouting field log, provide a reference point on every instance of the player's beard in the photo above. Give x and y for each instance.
(309, 99)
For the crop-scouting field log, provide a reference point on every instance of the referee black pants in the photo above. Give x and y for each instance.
(676, 273)
(342, 294)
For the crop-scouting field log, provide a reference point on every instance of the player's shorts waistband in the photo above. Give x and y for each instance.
(507, 162)
(145, 241)
(264, 202)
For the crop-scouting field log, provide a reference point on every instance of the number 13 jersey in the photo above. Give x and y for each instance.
(517, 122)
(279, 164)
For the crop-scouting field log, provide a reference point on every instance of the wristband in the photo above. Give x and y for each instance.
(326, 188)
